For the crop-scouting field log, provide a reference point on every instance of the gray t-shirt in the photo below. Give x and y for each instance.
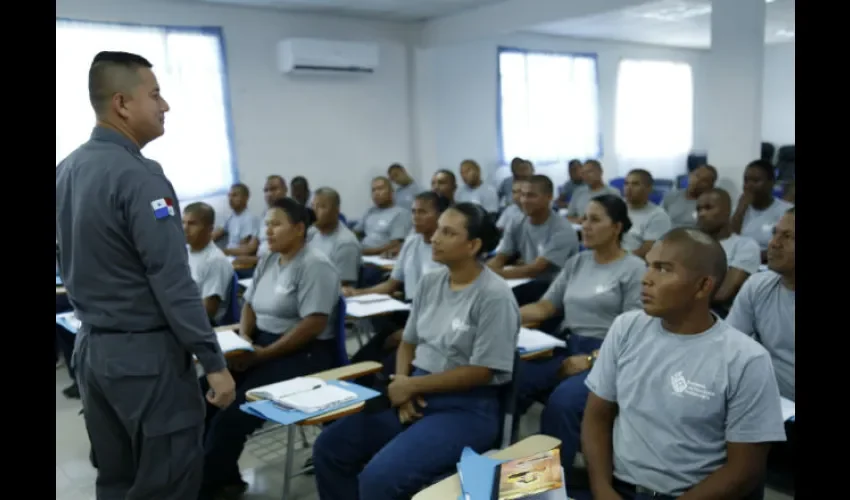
(681, 398)
(649, 223)
(582, 196)
(214, 275)
(568, 189)
(484, 195)
(766, 310)
(282, 295)
(404, 195)
(506, 191)
(414, 260)
(263, 247)
(592, 295)
(341, 247)
(240, 226)
(742, 253)
(682, 211)
(759, 224)
(555, 240)
(512, 214)
(383, 225)
(476, 326)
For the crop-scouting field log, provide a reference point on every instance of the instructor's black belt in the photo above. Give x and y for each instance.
(96, 330)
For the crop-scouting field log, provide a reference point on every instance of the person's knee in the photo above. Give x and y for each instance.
(569, 396)
(378, 481)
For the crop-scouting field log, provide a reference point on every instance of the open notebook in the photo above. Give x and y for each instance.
(230, 341)
(369, 305)
(534, 340)
(378, 261)
(305, 394)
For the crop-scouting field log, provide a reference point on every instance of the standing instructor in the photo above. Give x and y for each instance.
(125, 268)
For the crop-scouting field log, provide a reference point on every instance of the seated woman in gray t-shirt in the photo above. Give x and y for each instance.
(458, 348)
(413, 262)
(594, 287)
(289, 317)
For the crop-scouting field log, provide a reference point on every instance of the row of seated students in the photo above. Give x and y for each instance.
(294, 309)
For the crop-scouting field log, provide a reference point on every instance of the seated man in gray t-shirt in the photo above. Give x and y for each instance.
(210, 268)
(385, 225)
(541, 240)
(766, 305)
(682, 405)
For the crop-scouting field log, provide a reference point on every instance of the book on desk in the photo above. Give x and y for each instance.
(535, 477)
(302, 398)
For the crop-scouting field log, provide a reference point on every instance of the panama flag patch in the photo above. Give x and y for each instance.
(162, 208)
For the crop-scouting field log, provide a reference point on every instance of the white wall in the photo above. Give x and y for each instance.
(335, 131)
(457, 95)
(778, 117)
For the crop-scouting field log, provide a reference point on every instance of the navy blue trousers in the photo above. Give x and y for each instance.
(227, 430)
(372, 456)
(64, 339)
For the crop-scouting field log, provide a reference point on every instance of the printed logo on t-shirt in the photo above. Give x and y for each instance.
(767, 228)
(694, 215)
(459, 326)
(683, 386)
(383, 223)
(283, 290)
(603, 288)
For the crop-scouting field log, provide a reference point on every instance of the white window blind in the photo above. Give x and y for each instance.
(549, 106)
(196, 151)
(654, 118)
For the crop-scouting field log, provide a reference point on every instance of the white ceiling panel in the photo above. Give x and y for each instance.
(673, 23)
(399, 10)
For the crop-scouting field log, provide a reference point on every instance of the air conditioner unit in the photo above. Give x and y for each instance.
(307, 55)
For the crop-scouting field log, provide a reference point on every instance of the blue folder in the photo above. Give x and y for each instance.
(63, 320)
(269, 411)
(477, 475)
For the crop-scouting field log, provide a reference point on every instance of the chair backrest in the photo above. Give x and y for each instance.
(617, 182)
(786, 163)
(234, 312)
(341, 351)
(682, 181)
(343, 219)
(656, 196)
(663, 185)
(768, 150)
(508, 395)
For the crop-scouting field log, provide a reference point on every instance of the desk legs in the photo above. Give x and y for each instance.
(290, 457)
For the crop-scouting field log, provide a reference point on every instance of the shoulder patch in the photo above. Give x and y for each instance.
(162, 208)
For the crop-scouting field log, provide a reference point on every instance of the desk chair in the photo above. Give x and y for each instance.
(656, 196)
(618, 182)
(663, 185)
(234, 312)
(342, 351)
(343, 219)
(682, 181)
(508, 395)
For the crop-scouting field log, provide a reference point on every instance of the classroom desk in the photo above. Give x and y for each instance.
(347, 372)
(449, 488)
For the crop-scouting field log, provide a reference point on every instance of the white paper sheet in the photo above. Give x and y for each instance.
(789, 409)
(230, 341)
(378, 261)
(535, 340)
(368, 309)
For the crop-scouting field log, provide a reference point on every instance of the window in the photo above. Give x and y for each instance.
(548, 106)
(196, 151)
(654, 116)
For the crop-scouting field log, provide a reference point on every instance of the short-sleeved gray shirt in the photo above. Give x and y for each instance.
(582, 196)
(506, 191)
(592, 295)
(214, 275)
(240, 226)
(682, 211)
(766, 310)
(341, 247)
(383, 225)
(404, 195)
(759, 224)
(414, 260)
(649, 223)
(512, 214)
(484, 195)
(284, 294)
(555, 240)
(681, 398)
(475, 326)
(742, 253)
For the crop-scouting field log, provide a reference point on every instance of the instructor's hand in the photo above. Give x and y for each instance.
(222, 388)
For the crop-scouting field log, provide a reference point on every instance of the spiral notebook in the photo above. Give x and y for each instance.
(270, 410)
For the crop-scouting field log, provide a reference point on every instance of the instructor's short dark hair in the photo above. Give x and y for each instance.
(113, 72)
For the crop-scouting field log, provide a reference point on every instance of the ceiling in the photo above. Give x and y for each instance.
(674, 23)
(396, 10)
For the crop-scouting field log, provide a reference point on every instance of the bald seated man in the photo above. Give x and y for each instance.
(384, 226)
(210, 268)
(444, 183)
(592, 186)
(331, 237)
(682, 405)
(714, 209)
(249, 253)
(406, 188)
